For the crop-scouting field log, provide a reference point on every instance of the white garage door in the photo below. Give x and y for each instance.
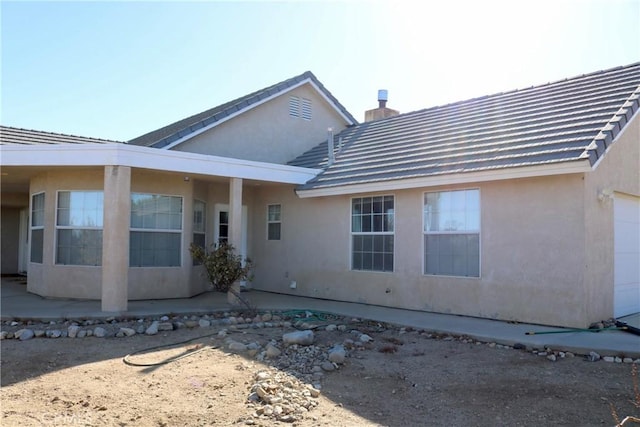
(626, 270)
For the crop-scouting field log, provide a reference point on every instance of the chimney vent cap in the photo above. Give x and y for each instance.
(383, 95)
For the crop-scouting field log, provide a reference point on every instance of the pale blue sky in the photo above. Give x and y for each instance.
(117, 70)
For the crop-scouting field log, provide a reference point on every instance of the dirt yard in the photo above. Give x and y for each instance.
(390, 377)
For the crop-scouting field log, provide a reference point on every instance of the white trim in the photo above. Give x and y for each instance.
(151, 158)
(254, 105)
(450, 179)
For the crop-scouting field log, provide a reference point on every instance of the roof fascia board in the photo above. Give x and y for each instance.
(152, 158)
(451, 179)
(254, 105)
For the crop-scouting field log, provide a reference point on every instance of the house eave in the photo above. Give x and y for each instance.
(581, 166)
(154, 159)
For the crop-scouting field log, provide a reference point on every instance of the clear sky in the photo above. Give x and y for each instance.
(117, 69)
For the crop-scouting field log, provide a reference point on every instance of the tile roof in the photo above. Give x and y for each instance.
(168, 134)
(18, 136)
(564, 121)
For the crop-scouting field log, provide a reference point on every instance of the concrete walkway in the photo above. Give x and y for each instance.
(17, 303)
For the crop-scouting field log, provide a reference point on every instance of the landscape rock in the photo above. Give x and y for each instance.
(99, 332)
(365, 338)
(128, 331)
(593, 356)
(237, 347)
(54, 333)
(337, 354)
(24, 334)
(73, 330)
(165, 326)
(272, 351)
(191, 324)
(328, 366)
(298, 337)
(153, 328)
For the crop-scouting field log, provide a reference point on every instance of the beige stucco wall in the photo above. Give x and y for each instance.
(531, 257)
(84, 282)
(267, 133)
(619, 171)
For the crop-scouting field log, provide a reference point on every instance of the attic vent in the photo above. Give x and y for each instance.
(294, 106)
(298, 109)
(306, 109)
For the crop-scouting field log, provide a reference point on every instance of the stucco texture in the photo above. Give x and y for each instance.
(267, 132)
(533, 253)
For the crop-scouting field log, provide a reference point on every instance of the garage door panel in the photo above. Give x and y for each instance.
(626, 255)
(627, 237)
(627, 269)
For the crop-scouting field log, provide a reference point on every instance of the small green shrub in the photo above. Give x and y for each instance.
(223, 266)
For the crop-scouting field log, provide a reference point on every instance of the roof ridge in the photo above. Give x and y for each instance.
(508, 92)
(176, 130)
(58, 134)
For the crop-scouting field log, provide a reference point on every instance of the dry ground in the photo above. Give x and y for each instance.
(410, 379)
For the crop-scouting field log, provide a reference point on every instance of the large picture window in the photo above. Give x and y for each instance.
(156, 230)
(37, 227)
(79, 222)
(372, 233)
(452, 233)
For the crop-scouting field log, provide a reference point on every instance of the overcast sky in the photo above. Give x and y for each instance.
(117, 70)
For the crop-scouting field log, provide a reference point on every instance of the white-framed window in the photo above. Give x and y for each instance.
(79, 221)
(300, 107)
(37, 227)
(372, 233)
(156, 230)
(452, 233)
(274, 222)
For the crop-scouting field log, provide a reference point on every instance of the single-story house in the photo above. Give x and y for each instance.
(520, 206)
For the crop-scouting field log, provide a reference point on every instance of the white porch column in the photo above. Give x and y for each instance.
(235, 227)
(115, 238)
